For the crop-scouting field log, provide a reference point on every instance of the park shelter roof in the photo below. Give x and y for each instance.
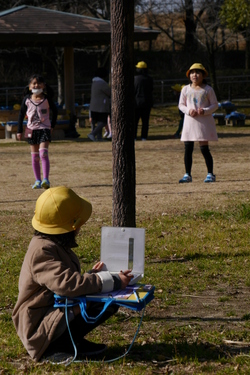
(28, 26)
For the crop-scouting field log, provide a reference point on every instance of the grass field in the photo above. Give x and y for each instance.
(197, 251)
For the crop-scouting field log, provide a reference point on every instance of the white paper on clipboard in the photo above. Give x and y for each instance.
(122, 249)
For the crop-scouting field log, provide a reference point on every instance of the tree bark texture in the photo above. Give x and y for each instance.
(122, 112)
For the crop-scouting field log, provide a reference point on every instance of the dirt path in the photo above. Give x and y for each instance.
(87, 168)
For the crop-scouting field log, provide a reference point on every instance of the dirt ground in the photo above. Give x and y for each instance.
(86, 167)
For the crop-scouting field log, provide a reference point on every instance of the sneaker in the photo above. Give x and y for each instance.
(105, 134)
(88, 348)
(143, 139)
(186, 178)
(210, 178)
(109, 135)
(37, 185)
(92, 137)
(45, 183)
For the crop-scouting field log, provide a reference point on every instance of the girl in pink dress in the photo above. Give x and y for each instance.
(198, 102)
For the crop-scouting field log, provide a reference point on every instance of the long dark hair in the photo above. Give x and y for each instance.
(66, 240)
(47, 90)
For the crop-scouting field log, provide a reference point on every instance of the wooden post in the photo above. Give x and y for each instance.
(69, 84)
(122, 112)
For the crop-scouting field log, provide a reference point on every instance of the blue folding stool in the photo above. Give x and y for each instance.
(134, 297)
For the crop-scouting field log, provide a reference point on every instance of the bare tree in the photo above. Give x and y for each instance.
(122, 87)
(97, 8)
(166, 13)
(202, 23)
(209, 23)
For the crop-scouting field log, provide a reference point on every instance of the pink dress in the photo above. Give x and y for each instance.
(201, 127)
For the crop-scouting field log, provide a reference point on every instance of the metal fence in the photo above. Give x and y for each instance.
(230, 88)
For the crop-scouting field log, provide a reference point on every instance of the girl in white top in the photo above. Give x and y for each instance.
(198, 102)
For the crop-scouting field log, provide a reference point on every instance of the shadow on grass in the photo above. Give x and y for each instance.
(161, 353)
(233, 135)
(156, 137)
(197, 256)
(190, 318)
(159, 137)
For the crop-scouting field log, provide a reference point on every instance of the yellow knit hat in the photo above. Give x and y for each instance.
(197, 66)
(59, 210)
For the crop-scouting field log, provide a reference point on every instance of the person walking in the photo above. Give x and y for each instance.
(100, 104)
(198, 102)
(37, 104)
(143, 85)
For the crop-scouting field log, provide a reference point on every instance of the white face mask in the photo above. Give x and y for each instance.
(37, 91)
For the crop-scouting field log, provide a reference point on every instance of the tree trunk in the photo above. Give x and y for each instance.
(212, 70)
(247, 59)
(59, 69)
(190, 25)
(122, 87)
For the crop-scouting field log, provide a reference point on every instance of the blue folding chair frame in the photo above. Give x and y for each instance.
(137, 305)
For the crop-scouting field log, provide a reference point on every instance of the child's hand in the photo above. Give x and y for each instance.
(200, 111)
(98, 266)
(193, 113)
(19, 136)
(125, 277)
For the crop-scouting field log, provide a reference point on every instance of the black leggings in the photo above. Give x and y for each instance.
(188, 157)
(79, 328)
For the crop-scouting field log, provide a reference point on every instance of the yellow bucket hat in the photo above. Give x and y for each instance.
(141, 65)
(199, 67)
(59, 210)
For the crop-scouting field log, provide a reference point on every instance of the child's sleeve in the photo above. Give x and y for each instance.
(183, 102)
(213, 103)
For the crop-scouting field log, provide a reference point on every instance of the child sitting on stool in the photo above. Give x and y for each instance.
(51, 267)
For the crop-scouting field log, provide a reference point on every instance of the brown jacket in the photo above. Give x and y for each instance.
(47, 269)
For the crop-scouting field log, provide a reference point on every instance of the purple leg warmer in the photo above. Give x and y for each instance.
(44, 155)
(36, 165)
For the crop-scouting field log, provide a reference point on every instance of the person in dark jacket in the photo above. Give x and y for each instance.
(143, 84)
